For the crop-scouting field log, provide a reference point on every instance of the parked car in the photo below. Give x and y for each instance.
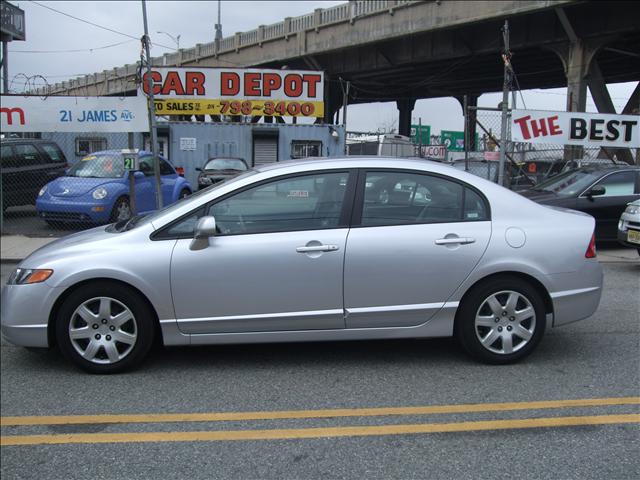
(28, 164)
(600, 191)
(629, 226)
(299, 251)
(96, 190)
(219, 169)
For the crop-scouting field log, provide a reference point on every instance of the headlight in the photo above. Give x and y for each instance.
(21, 276)
(99, 193)
(42, 190)
(204, 180)
(632, 209)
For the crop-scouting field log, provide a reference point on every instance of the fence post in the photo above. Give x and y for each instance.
(465, 107)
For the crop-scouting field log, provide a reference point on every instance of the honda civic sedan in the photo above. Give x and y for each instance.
(323, 249)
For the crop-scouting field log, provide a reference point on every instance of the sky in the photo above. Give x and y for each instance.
(58, 48)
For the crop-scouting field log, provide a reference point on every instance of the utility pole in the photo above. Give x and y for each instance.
(218, 28)
(506, 58)
(152, 111)
(345, 103)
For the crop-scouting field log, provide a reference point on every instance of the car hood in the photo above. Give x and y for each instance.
(81, 246)
(75, 186)
(544, 197)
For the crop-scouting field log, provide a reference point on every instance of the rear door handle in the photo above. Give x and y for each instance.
(317, 248)
(455, 240)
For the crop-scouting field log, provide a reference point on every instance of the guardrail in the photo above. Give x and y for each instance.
(346, 12)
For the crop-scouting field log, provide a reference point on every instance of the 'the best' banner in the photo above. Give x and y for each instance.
(573, 128)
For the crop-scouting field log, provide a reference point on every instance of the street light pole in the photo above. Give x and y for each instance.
(176, 39)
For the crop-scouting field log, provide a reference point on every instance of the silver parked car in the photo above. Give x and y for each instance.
(324, 249)
(629, 226)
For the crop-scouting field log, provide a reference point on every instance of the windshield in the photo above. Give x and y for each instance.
(225, 164)
(569, 183)
(98, 166)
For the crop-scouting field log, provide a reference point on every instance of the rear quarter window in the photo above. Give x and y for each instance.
(54, 153)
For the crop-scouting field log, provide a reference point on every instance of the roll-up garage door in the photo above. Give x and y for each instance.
(265, 149)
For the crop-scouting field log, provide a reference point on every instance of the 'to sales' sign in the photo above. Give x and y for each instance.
(221, 91)
(573, 128)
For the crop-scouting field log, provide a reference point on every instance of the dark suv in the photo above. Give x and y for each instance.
(27, 165)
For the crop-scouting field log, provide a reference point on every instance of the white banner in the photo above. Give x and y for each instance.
(574, 128)
(74, 114)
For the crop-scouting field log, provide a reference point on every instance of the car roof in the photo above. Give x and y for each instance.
(350, 161)
(26, 140)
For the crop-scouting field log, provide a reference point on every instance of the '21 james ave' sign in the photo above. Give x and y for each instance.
(228, 91)
(573, 128)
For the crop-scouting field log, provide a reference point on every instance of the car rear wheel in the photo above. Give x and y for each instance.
(501, 321)
(105, 327)
(121, 210)
(184, 193)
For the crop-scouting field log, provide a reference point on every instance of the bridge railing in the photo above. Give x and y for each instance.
(289, 26)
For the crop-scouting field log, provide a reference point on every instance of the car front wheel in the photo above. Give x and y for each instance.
(105, 327)
(121, 210)
(501, 321)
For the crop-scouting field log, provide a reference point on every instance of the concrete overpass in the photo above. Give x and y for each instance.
(397, 50)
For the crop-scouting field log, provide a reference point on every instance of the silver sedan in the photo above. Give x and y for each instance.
(323, 249)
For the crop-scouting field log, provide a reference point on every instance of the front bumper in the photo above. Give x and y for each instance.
(623, 238)
(24, 315)
(73, 211)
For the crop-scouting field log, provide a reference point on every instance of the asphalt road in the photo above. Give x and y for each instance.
(297, 387)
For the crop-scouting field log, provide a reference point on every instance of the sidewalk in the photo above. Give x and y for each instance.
(16, 247)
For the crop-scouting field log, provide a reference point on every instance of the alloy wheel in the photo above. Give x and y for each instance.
(103, 330)
(505, 322)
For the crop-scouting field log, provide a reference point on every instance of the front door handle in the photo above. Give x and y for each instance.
(455, 241)
(317, 248)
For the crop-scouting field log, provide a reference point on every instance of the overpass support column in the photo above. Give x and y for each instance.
(405, 107)
(470, 117)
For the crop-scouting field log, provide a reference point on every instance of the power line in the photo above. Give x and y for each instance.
(93, 24)
(76, 50)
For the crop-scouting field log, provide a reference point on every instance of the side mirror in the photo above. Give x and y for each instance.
(205, 228)
(596, 191)
(198, 169)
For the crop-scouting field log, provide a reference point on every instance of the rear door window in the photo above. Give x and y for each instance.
(27, 155)
(403, 198)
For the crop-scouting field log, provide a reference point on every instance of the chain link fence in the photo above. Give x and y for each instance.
(53, 185)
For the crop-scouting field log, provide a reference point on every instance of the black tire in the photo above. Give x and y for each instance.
(121, 204)
(184, 193)
(141, 326)
(507, 347)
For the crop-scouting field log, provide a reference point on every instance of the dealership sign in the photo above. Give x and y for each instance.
(573, 128)
(224, 91)
(73, 114)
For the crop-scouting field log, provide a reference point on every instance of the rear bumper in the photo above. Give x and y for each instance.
(580, 294)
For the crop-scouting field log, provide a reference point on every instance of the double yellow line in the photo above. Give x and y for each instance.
(343, 431)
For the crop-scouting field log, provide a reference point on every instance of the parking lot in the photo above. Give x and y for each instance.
(313, 410)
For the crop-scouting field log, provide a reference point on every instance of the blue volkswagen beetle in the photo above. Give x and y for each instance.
(96, 190)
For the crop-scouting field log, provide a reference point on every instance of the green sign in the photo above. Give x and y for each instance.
(130, 162)
(421, 134)
(454, 140)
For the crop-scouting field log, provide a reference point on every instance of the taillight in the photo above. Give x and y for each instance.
(591, 249)
(180, 171)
